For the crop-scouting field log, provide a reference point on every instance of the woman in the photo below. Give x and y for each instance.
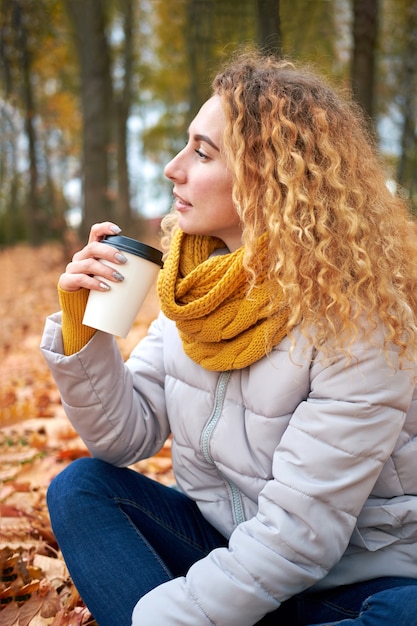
(283, 364)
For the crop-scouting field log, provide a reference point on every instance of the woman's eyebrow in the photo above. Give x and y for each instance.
(207, 140)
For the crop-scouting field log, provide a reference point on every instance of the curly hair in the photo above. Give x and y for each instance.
(306, 171)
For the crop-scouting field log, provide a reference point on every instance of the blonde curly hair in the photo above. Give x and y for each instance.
(306, 171)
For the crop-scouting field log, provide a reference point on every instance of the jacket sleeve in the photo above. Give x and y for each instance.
(117, 408)
(324, 469)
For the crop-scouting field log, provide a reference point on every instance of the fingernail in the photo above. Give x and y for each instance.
(118, 276)
(104, 287)
(115, 229)
(120, 257)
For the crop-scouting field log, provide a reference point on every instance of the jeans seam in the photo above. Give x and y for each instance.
(157, 520)
(149, 546)
(344, 612)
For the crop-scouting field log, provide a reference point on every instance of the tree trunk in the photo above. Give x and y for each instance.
(123, 103)
(269, 31)
(89, 20)
(33, 208)
(365, 31)
(199, 38)
(406, 166)
(9, 178)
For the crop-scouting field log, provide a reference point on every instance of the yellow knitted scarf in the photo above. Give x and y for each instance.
(220, 326)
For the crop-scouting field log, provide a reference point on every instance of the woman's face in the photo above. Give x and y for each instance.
(202, 182)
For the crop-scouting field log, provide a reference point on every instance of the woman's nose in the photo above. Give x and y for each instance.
(174, 169)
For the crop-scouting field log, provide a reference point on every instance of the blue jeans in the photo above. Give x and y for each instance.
(123, 534)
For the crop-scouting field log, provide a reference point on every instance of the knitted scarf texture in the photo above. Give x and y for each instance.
(220, 325)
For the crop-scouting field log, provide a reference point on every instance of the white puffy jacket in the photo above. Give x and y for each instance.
(309, 467)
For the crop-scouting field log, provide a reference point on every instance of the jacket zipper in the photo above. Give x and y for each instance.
(205, 441)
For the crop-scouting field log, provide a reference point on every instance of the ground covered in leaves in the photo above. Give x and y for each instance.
(37, 441)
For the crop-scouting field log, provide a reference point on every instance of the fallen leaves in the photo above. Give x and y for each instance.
(37, 442)
(35, 587)
(28, 280)
(38, 591)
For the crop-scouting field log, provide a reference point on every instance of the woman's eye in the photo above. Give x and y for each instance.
(201, 154)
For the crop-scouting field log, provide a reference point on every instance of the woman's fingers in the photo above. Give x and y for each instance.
(73, 282)
(98, 231)
(98, 250)
(86, 269)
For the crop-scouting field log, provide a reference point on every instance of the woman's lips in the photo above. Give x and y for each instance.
(181, 204)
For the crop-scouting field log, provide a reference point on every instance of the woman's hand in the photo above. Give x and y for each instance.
(85, 264)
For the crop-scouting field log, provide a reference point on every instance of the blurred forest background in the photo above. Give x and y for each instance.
(96, 95)
(95, 98)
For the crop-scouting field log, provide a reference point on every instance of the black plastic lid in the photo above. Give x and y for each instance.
(135, 247)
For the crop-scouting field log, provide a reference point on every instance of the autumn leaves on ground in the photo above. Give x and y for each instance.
(37, 441)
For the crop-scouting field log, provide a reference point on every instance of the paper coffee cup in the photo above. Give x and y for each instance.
(114, 311)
